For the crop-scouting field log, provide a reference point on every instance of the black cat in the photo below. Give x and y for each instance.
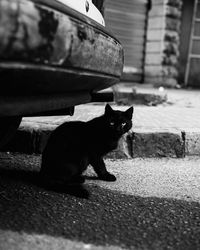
(74, 145)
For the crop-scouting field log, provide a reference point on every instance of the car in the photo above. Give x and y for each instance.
(54, 55)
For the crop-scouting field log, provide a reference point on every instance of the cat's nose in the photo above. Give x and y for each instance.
(120, 129)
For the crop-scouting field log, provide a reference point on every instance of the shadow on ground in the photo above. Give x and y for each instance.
(107, 217)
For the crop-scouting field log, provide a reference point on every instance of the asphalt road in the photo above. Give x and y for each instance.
(154, 204)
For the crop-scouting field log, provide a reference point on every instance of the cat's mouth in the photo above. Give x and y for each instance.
(121, 131)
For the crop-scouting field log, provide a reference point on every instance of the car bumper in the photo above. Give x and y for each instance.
(47, 48)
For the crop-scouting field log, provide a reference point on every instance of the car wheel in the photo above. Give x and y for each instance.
(8, 127)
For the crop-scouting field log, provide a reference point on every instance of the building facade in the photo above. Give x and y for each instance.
(161, 39)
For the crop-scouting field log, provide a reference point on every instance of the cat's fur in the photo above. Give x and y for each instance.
(74, 145)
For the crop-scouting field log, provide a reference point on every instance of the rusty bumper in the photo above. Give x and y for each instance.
(48, 48)
(55, 45)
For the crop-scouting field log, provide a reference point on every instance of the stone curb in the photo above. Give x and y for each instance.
(150, 144)
(135, 144)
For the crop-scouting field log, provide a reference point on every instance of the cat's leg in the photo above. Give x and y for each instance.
(60, 173)
(100, 168)
(72, 173)
(77, 169)
(74, 181)
(68, 181)
(79, 179)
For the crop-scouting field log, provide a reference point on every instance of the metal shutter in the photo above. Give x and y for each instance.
(127, 21)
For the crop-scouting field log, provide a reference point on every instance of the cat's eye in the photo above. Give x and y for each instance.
(123, 124)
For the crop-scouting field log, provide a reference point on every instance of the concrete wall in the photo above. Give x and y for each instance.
(162, 47)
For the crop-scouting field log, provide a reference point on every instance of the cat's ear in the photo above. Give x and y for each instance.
(129, 113)
(108, 109)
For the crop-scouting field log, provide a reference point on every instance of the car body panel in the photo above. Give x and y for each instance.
(47, 48)
(85, 7)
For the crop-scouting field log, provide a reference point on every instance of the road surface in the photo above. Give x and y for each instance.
(154, 204)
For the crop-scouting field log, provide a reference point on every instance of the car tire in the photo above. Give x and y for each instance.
(8, 127)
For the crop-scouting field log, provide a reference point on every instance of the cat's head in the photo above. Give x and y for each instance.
(118, 122)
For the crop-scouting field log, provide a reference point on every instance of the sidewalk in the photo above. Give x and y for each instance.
(170, 129)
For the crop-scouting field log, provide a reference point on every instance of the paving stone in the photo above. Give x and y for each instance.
(158, 145)
(192, 143)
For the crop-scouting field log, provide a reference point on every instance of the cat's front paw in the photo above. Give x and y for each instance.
(108, 177)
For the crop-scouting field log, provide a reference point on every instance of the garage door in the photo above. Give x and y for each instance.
(192, 73)
(127, 21)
